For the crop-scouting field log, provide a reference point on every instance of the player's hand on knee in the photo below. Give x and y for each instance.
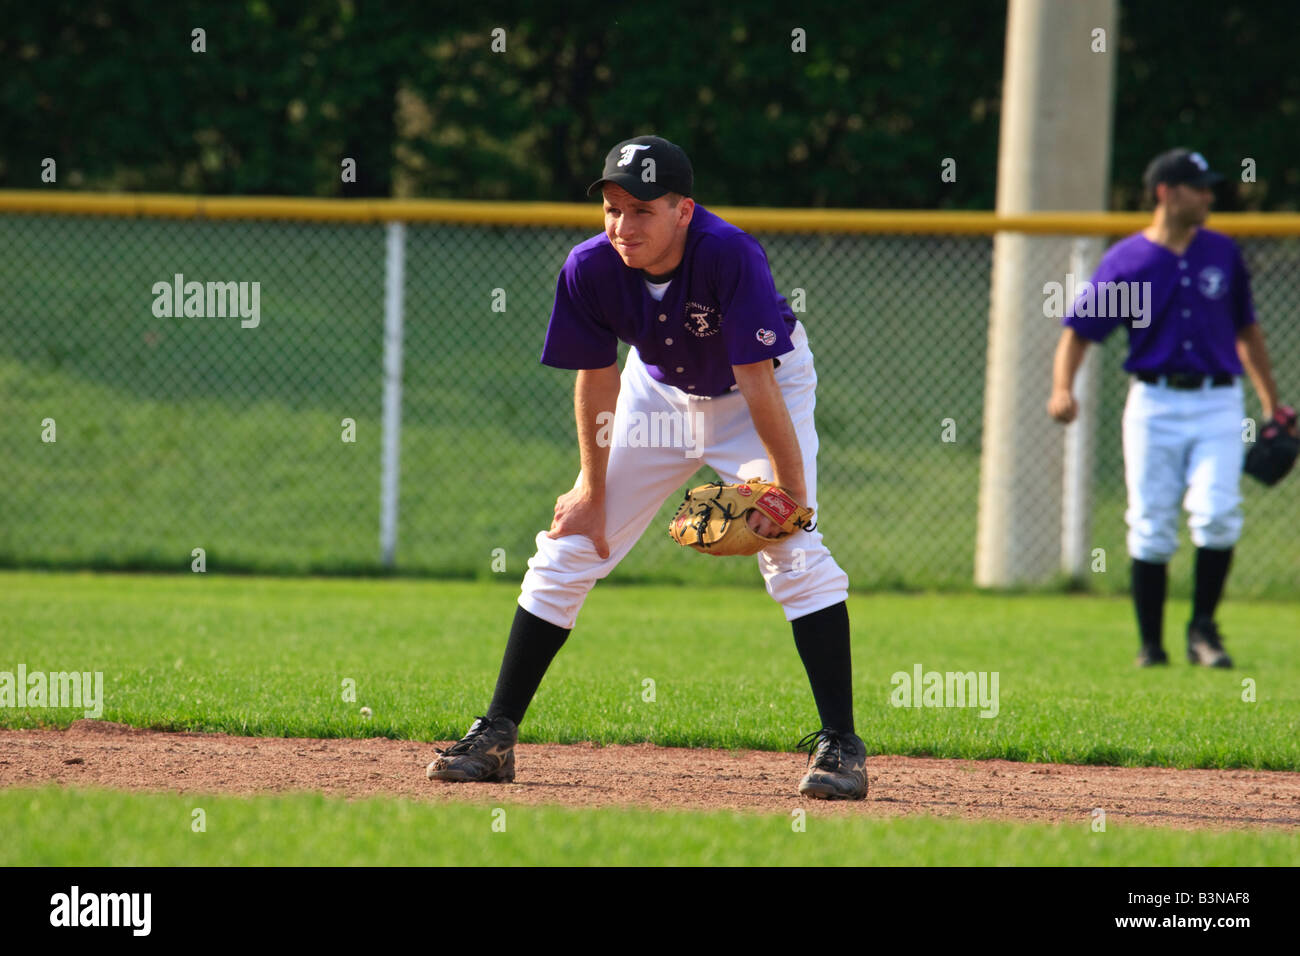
(578, 513)
(1062, 406)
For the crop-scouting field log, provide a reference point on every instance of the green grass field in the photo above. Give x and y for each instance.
(268, 656)
(178, 433)
(99, 828)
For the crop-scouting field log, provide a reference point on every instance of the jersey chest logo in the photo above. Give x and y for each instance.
(1212, 282)
(702, 320)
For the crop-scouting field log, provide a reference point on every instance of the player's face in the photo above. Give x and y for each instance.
(646, 235)
(1187, 205)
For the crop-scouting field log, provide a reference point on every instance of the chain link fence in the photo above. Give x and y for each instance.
(261, 444)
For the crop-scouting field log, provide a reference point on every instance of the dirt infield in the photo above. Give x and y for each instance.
(99, 754)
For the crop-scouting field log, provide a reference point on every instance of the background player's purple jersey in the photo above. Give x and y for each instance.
(721, 309)
(1198, 301)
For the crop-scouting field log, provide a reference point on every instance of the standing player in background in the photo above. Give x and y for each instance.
(714, 346)
(1183, 419)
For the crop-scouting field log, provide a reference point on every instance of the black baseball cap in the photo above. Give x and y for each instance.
(626, 166)
(1177, 167)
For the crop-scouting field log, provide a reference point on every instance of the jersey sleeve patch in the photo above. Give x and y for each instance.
(753, 328)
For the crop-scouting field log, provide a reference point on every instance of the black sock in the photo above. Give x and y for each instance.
(822, 639)
(1211, 573)
(1150, 582)
(532, 646)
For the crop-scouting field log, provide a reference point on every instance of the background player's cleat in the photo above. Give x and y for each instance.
(485, 755)
(1205, 644)
(839, 766)
(1152, 655)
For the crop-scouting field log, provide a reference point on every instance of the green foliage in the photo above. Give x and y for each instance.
(116, 94)
(1213, 76)
(862, 118)
(416, 94)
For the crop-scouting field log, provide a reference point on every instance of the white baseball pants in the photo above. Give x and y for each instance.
(1176, 441)
(800, 572)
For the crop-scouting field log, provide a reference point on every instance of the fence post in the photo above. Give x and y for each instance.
(390, 468)
(1053, 150)
(1080, 438)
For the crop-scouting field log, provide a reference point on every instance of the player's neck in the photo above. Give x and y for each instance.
(665, 267)
(1164, 233)
(658, 278)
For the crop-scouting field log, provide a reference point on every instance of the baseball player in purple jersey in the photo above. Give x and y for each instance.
(717, 352)
(1184, 295)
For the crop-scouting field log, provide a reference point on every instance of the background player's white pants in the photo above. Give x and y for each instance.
(800, 572)
(1176, 440)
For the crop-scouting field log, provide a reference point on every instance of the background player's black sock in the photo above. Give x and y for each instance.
(1150, 582)
(822, 639)
(1211, 572)
(532, 646)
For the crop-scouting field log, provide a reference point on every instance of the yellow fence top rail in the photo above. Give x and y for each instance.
(587, 215)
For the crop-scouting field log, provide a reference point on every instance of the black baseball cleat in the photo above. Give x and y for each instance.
(1205, 644)
(1152, 655)
(484, 755)
(839, 766)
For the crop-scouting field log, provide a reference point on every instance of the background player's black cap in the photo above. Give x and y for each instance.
(626, 166)
(1177, 167)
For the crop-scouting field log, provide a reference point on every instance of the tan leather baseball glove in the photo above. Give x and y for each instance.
(713, 517)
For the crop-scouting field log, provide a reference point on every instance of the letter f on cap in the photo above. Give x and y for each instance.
(627, 152)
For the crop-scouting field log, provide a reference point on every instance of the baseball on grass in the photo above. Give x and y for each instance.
(365, 712)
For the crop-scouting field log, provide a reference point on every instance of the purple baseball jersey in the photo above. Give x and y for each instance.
(721, 309)
(1184, 312)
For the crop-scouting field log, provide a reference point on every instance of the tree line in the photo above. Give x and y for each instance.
(809, 106)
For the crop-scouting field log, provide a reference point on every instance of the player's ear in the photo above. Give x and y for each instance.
(685, 210)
